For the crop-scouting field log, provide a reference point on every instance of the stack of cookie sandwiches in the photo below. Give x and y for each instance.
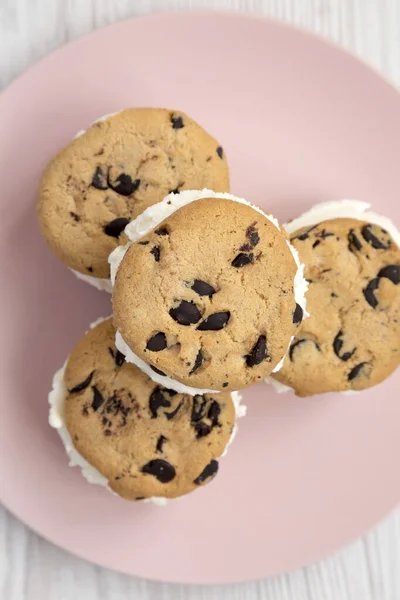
(208, 298)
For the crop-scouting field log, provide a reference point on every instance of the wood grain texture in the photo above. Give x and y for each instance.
(30, 567)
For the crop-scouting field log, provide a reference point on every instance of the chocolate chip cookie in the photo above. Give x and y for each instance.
(144, 439)
(109, 174)
(205, 299)
(352, 339)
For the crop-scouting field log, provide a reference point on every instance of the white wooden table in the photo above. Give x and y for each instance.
(30, 567)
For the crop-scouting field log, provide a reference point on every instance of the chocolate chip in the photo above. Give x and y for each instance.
(202, 288)
(198, 409)
(202, 429)
(225, 384)
(214, 412)
(391, 272)
(316, 243)
(107, 432)
(245, 247)
(356, 370)
(354, 242)
(254, 238)
(83, 385)
(170, 392)
(337, 346)
(369, 292)
(158, 371)
(99, 179)
(241, 260)
(138, 498)
(90, 269)
(157, 342)
(298, 314)
(118, 357)
(324, 234)
(162, 231)
(258, 353)
(175, 191)
(172, 414)
(146, 243)
(215, 322)
(155, 251)
(209, 471)
(303, 236)
(98, 399)
(370, 234)
(116, 227)
(298, 343)
(220, 151)
(160, 469)
(124, 185)
(160, 443)
(157, 400)
(197, 363)
(75, 217)
(186, 313)
(177, 122)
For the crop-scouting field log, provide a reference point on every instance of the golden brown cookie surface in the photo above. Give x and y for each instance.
(207, 296)
(352, 339)
(111, 173)
(146, 440)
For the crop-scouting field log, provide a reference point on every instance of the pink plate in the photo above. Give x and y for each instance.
(301, 122)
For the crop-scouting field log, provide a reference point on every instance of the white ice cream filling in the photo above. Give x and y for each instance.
(57, 397)
(336, 209)
(148, 220)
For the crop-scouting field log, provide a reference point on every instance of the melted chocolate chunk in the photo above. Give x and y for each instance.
(356, 370)
(160, 443)
(254, 238)
(198, 409)
(370, 234)
(242, 259)
(214, 412)
(337, 346)
(98, 398)
(160, 469)
(202, 429)
(209, 471)
(172, 414)
(220, 151)
(162, 231)
(305, 235)
(157, 400)
(202, 288)
(158, 371)
(155, 251)
(369, 292)
(99, 179)
(297, 315)
(354, 242)
(298, 343)
(258, 353)
(116, 227)
(118, 357)
(83, 385)
(197, 363)
(177, 122)
(157, 342)
(124, 185)
(186, 313)
(215, 322)
(391, 272)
